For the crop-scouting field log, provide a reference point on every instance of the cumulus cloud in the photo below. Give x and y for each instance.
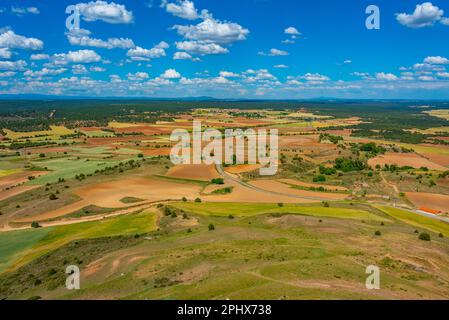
(7, 74)
(347, 61)
(9, 39)
(214, 31)
(39, 56)
(228, 74)
(80, 56)
(184, 56)
(142, 54)
(292, 31)
(182, 8)
(5, 53)
(138, 76)
(106, 12)
(382, 76)
(201, 47)
(315, 77)
(44, 72)
(171, 74)
(274, 52)
(444, 75)
(82, 38)
(425, 15)
(436, 60)
(13, 65)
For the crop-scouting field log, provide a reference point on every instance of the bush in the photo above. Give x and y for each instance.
(140, 155)
(218, 181)
(377, 233)
(184, 199)
(319, 178)
(53, 197)
(280, 205)
(326, 204)
(35, 225)
(424, 236)
(211, 227)
(230, 217)
(198, 200)
(441, 235)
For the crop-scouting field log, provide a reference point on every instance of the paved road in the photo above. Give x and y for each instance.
(247, 185)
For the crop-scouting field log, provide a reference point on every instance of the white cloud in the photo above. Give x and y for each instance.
(138, 76)
(182, 8)
(19, 11)
(44, 72)
(274, 52)
(104, 11)
(426, 78)
(40, 56)
(5, 53)
(444, 75)
(445, 21)
(80, 56)
(211, 30)
(171, 74)
(280, 66)
(386, 76)
(201, 47)
(13, 65)
(79, 69)
(97, 69)
(314, 77)
(425, 15)
(228, 74)
(184, 56)
(292, 31)
(142, 54)
(436, 60)
(7, 74)
(347, 61)
(82, 38)
(11, 40)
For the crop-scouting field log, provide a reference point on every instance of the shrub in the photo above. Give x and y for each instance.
(319, 178)
(441, 235)
(280, 205)
(231, 217)
(218, 181)
(53, 197)
(211, 227)
(326, 204)
(140, 155)
(184, 199)
(198, 200)
(424, 236)
(377, 233)
(35, 225)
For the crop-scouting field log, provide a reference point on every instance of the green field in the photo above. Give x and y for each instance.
(251, 209)
(52, 238)
(68, 168)
(14, 243)
(417, 220)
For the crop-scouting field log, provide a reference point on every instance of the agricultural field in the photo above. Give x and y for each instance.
(357, 183)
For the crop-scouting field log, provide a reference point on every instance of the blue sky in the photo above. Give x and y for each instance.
(273, 49)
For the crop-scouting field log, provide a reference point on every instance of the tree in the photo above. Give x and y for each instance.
(424, 236)
(326, 204)
(35, 225)
(211, 227)
(53, 197)
(198, 200)
(184, 199)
